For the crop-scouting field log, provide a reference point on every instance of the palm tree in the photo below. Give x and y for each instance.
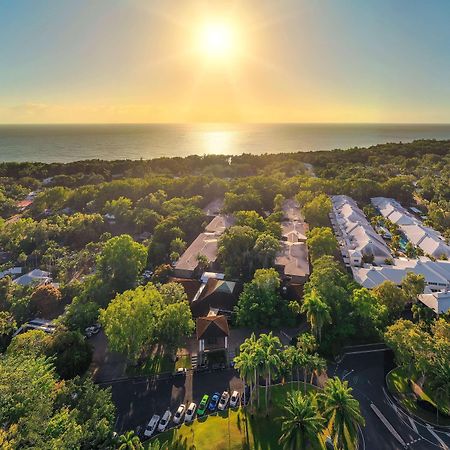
(270, 346)
(341, 410)
(155, 445)
(130, 441)
(317, 312)
(318, 366)
(252, 346)
(245, 364)
(290, 360)
(302, 424)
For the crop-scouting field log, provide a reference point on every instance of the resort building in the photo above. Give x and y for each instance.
(358, 241)
(205, 244)
(212, 334)
(439, 302)
(292, 260)
(211, 294)
(36, 276)
(436, 273)
(428, 240)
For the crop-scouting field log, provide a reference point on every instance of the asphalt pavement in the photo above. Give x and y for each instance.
(387, 426)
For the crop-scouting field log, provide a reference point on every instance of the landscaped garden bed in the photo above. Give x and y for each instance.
(418, 401)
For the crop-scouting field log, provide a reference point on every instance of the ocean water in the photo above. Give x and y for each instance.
(65, 143)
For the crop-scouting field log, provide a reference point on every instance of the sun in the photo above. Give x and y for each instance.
(217, 40)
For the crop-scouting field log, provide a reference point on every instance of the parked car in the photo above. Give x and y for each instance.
(234, 400)
(179, 414)
(223, 402)
(151, 427)
(181, 371)
(189, 416)
(203, 404)
(214, 401)
(94, 329)
(164, 421)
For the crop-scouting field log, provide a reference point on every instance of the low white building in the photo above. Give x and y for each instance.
(436, 273)
(428, 240)
(356, 236)
(36, 276)
(439, 302)
(12, 271)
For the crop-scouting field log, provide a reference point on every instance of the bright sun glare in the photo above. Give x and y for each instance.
(217, 40)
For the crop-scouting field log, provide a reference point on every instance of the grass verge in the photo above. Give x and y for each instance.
(399, 384)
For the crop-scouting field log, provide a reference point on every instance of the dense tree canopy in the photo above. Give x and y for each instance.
(137, 319)
(260, 303)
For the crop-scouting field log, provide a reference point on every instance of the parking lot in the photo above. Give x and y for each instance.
(137, 400)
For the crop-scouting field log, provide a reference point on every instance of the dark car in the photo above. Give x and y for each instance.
(214, 401)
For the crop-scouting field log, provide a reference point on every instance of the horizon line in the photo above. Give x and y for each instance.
(218, 123)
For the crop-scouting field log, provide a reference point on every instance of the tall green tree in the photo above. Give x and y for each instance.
(270, 347)
(316, 211)
(317, 312)
(121, 261)
(301, 423)
(392, 297)
(130, 320)
(260, 303)
(342, 412)
(412, 285)
(321, 242)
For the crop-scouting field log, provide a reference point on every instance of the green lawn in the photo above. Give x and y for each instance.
(160, 363)
(233, 429)
(398, 382)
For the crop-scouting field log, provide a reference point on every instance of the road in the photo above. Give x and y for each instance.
(392, 428)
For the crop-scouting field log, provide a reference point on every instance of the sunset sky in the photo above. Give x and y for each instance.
(101, 61)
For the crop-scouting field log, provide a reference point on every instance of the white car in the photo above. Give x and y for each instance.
(223, 402)
(150, 428)
(234, 400)
(164, 421)
(189, 416)
(179, 414)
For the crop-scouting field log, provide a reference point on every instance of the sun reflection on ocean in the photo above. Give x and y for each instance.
(219, 142)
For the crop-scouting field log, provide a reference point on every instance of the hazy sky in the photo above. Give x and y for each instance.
(286, 61)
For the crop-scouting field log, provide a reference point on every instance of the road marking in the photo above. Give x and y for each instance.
(368, 351)
(347, 374)
(413, 424)
(388, 425)
(443, 445)
(414, 441)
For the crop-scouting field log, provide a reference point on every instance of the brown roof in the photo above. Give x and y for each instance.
(190, 286)
(212, 326)
(205, 244)
(216, 294)
(293, 258)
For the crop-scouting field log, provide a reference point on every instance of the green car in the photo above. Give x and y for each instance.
(203, 404)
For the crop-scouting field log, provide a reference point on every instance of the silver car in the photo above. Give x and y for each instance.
(223, 402)
(151, 427)
(164, 421)
(189, 416)
(234, 400)
(179, 414)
